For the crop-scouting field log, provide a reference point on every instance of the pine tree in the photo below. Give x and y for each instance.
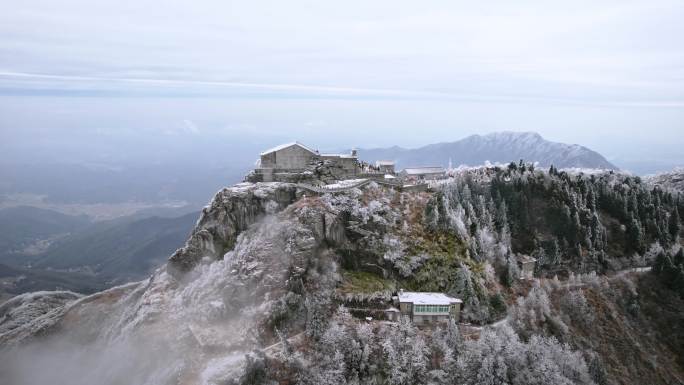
(635, 236)
(662, 263)
(678, 259)
(501, 220)
(674, 224)
(597, 371)
(553, 255)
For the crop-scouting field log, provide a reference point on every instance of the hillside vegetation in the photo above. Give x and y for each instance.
(274, 286)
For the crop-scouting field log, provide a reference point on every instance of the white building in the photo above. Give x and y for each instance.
(425, 308)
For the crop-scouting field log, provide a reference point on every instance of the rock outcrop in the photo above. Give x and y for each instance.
(31, 314)
(247, 265)
(230, 213)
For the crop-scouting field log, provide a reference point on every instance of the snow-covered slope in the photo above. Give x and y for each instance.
(673, 180)
(500, 147)
(193, 321)
(254, 298)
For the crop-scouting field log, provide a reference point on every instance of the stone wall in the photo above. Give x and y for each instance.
(290, 158)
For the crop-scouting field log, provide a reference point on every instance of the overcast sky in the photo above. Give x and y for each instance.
(606, 74)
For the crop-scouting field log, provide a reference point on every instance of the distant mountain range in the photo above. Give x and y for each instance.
(501, 147)
(23, 228)
(120, 251)
(45, 250)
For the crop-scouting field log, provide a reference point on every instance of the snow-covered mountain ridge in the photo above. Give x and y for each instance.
(501, 147)
(275, 283)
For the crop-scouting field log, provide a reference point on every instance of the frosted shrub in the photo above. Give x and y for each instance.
(500, 357)
(406, 265)
(532, 314)
(575, 306)
(405, 354)
(316, 316)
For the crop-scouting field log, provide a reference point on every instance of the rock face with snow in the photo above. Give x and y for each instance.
(500, 147)
(231, 211)
(253, 297)
(31, 314)
(673, 180)
(256, 255)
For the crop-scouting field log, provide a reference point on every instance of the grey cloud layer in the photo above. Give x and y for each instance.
(606, 74)
(610, 52)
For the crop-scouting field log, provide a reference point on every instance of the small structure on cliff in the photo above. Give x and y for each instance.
(424, 308)
(386, 166)
(526, 265)
(295, 162)
(423, 173)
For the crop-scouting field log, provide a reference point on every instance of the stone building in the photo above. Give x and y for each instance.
(289, 156)
(385, 166)
(526, 265)
(295, 162)
(349, 163)
(424, 308)
(423, 173)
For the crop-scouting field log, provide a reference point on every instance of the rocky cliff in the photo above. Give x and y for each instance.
(230, 213)
(257, 253)
(255, 295)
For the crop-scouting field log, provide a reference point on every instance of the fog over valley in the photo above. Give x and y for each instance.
(342, 192)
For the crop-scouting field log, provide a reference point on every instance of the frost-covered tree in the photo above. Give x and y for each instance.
(574, 304)
(473, 293)
(499, 357)
(532, 314)
(316, 315)
(405, 354)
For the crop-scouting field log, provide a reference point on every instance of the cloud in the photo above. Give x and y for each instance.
(191, 127)
(106, 86)
(400, 71)
(595, 52)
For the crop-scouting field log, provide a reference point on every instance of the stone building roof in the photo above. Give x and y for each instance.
(350, 156)
(286, 145)
(384, 163)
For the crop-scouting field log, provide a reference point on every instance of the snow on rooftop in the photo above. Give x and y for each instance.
(344, 183)
(425, 298)
(384, 163)
(339, 155)
(424, 170)
(526, 258)
(286, 145)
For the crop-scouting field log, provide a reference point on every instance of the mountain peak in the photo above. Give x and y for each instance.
(501, 147)
(513, 134)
